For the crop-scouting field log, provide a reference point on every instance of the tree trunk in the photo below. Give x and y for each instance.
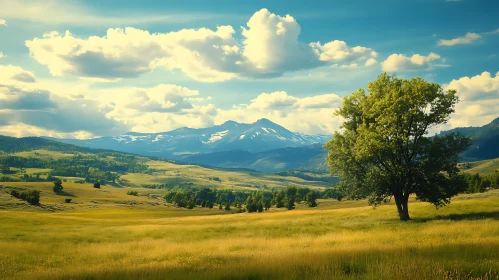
(401, 203)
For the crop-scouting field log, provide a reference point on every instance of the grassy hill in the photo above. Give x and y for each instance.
(480, 167)
(105, 234)
(485, 141)
(41, 157)
(310, 158)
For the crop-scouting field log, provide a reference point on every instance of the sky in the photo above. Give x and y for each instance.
(84, 69)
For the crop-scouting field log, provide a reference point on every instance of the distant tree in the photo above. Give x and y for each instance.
(5, 169)
(311, 199)
(267, 204)
(134, 193)
(58, 186)
(32, 197)
(260, 207)
(97, 185)
(220, 207)
(290, 197)
(210, 205)
(68, 200)
(279, 198)
(384, 151)
(227, 206)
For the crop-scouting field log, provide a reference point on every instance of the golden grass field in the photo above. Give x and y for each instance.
(102, 235)
(483, 166)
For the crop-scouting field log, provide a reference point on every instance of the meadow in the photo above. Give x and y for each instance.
(103, 235)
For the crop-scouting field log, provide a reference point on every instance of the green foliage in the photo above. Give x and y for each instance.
(14, 193)
(311, 199)
(383, 150)
(290, 197)
(134, 193)
(476, 183)
(97, 185)
(30, 196)
(217, 179)
(58, 187)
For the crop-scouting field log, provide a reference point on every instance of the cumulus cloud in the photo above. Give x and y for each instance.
(370, 61)
(269, 48)
(479, 100)
(10, 74)
(464, 40)
(338, 51)
(162, 98)
(400, 62)
(479, 87)
(23, 103)
(312, 114)
(2, 55)
(3, 22)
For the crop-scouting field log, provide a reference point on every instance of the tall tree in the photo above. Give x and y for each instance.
(58, 186)
(383, 149)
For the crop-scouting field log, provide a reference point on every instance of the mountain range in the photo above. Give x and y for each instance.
(485, 144)
(260, 136)
(262, 146)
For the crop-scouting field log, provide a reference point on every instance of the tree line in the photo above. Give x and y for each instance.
(251, 201)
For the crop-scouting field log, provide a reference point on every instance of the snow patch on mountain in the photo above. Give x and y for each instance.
(158, 138)
(216, 137)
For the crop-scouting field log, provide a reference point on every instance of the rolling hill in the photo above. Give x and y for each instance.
(34, 159)
(485, 144)
(310, 158)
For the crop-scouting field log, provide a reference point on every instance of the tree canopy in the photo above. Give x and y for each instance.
(383, 148)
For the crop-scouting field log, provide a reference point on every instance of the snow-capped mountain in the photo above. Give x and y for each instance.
(260, 136)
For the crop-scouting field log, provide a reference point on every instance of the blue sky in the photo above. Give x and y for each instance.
(106, 67)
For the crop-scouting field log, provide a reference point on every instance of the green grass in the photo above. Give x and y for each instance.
(97, 238)
(483, 166)
(171, 173)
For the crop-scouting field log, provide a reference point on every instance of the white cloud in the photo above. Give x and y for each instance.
(23, 130)
(313, 114)
(338, 51)
(370, 61)
(275, 101)
(479, 87)
(493, 32)
(270, 47)
(25, 103)
(400, 62)
(2, 55)
(10, 74)
(466, 39)
(3, 22)
(479, 100)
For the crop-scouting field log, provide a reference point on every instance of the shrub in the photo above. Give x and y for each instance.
(97, 185)
(14, 193)
(68, 200)
(32, 197)
(135, 193)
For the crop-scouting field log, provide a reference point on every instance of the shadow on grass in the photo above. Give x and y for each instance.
(113, 185)
(64, 193)
(460, 217)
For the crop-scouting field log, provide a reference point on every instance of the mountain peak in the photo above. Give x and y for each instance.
(264, 121)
